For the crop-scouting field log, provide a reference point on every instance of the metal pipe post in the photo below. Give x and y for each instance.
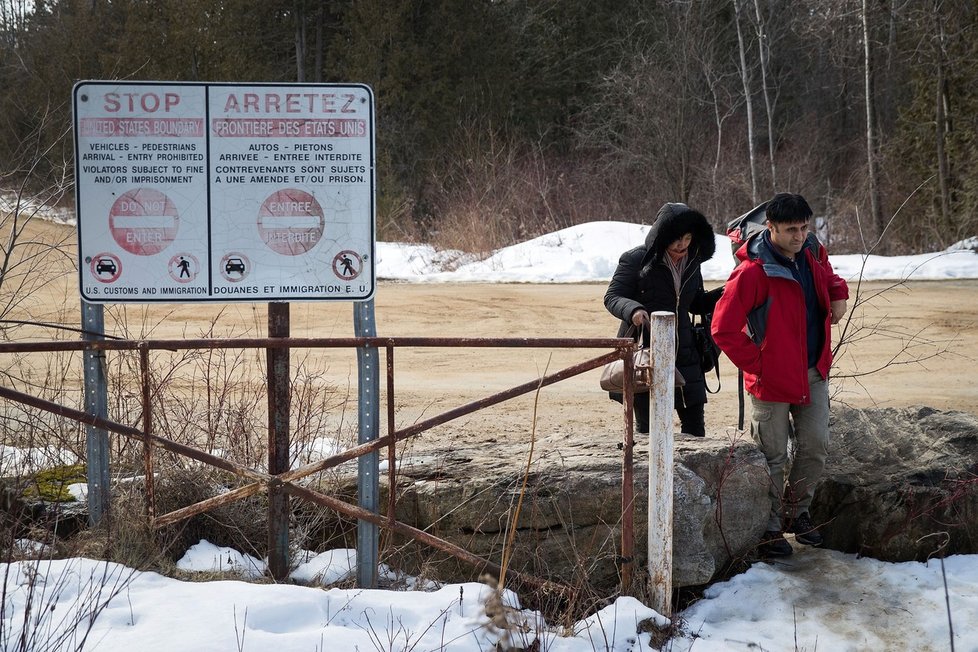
(627, 479)
(279, 405)
(663, 359)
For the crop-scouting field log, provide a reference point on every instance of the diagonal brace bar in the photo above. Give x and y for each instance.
(437, 420)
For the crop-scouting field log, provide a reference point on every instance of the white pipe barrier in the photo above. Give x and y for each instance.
(663, 360)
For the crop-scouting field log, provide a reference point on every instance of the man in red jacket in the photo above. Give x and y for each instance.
(774, 322)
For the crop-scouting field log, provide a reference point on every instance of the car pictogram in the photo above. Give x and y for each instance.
(234, 265)
(105, 266)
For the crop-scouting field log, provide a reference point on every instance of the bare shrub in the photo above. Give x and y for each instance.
(494, 192)
(50, 605)
(241, 525)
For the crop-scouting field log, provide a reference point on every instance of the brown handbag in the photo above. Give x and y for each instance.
(613, 374)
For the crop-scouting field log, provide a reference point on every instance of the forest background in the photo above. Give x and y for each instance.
(499, 120)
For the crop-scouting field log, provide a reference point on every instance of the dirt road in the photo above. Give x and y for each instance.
(907, 345)
(914, 344)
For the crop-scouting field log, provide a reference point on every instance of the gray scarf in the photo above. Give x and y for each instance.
(676, 269)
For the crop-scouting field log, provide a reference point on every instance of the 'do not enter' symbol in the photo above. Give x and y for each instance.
(291, 222)
(143, 221)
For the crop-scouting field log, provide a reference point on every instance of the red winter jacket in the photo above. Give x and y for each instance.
(759, 321)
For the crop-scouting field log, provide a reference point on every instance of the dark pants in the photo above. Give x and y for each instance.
(690, 418)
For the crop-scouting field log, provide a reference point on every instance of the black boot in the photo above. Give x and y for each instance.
(804, 530)
(773, 544)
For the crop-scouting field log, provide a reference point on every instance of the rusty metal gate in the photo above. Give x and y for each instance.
(287, 481)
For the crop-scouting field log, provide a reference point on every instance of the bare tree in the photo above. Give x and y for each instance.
(745, 80)
(872, 149)
(723, 107)
(764, 55)
(653, 132)
(941, 113)
(299, 14)
(317, 73)
(25, 262)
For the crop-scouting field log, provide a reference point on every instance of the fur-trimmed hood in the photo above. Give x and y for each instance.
(673, 221)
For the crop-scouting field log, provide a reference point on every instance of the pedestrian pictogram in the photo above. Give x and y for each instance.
(291, 222)
(347, 265)
(143, 221)
(106, 267)
(183, 268)
(235, 266)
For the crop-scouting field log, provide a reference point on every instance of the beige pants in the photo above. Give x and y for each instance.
(809, 427)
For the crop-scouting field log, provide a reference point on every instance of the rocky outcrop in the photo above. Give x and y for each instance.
(569, 526)
(900, 484)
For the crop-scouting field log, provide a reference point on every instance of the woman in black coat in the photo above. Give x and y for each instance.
(664, 275)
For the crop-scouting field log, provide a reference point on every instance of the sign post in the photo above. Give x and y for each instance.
(279, 403)
(661, 441)
(368, 466)
(97, 405)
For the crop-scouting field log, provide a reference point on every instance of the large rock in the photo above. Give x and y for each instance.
(900, 484)
(569, 525)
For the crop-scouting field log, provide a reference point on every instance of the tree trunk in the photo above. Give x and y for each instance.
(763, 48)
(718, 120)
(885, 106)
(942, 126)
(318, 65)
(300, 41)
(871, 148)
(744, 78)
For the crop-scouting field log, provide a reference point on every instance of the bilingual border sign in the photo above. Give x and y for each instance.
(192, 192)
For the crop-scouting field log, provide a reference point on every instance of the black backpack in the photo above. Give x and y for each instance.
(743, 228)
(740, 230)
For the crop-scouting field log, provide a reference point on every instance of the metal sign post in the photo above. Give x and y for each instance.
(96, 404)
(368, 478)
(279, 404)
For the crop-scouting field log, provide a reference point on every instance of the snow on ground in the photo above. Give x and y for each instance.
(11, 201)
(815, 600)
(590, 252)
(12, 457)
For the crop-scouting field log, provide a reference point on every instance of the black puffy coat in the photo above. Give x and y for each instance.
(643, 280)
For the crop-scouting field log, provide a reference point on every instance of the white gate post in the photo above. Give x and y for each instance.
(663, 360)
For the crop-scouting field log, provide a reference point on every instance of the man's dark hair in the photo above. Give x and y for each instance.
(785, 208)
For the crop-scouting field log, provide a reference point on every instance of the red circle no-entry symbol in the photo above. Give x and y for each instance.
(143, 221)
(291, 222)
(106, 267)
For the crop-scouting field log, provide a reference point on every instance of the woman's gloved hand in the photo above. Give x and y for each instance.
(640, 317)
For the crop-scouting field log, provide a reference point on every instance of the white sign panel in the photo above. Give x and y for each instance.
(222, 192)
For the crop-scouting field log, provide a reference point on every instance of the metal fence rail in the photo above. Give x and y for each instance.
(286, 480)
